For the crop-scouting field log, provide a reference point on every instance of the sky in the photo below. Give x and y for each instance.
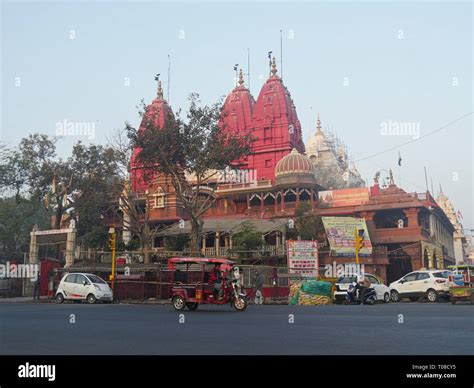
(368, 69)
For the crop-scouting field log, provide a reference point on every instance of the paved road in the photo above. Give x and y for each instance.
(155, 329)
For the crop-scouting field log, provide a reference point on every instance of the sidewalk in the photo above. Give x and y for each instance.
(26, 299)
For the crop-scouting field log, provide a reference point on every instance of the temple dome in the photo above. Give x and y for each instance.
(295, 168)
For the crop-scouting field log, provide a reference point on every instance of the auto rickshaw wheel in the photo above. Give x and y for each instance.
(178, 303)
(192, 306)
(240, 304)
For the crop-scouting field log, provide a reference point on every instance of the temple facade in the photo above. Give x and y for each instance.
(334, 167)
(408, 231)
(462, 243)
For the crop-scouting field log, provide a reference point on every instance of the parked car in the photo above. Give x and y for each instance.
(430, 284)
(83, 286)
(342, 285)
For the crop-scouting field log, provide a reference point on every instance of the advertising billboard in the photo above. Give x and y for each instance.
(340, 232)
(343, 197)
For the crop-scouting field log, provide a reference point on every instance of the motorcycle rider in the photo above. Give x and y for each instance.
(363, 284)
(215, 280)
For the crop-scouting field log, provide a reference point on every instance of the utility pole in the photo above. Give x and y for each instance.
(112, 245)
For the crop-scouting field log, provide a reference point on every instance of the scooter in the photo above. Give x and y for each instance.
(353, 295)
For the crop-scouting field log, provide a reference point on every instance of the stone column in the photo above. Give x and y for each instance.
(412, 217)
(203, 245)
(430, 259)
(127, 235)
(217, 242)
(34, 248)
(70, 244)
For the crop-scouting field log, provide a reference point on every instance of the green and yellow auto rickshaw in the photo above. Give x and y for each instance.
(461, 283)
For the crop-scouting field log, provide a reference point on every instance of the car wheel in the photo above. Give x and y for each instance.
(59, 298)
(192, 306)
(178, 303)
(432, 295)
(91, 299)
(386, 297)
(395, 296)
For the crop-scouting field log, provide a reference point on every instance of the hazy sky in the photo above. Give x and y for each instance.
(366, 67)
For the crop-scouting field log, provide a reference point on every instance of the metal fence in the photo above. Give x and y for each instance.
(156, 285)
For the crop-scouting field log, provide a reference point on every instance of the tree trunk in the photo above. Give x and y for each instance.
(146, 255)
(196, 227)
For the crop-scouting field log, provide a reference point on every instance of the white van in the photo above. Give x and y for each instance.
(83, 286)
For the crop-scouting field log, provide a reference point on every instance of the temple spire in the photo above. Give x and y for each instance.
(274, 67)
(318, 125)
(241, 77)
(159, 92)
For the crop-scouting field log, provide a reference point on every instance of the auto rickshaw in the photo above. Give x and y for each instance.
(192, 287)
(461, 283)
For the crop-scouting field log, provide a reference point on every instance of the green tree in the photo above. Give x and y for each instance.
(176, 243)
(247, 239)
(307, 225)
(87, 183)
(17, 218)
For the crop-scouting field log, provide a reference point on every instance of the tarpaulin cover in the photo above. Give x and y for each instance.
(310, 293)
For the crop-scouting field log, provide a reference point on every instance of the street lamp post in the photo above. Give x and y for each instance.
(112, 245)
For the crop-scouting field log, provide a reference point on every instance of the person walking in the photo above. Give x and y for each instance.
(36, 288)
(258, 287)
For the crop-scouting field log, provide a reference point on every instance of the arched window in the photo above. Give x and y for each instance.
(159, 198)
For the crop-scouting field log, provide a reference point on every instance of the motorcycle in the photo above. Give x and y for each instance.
(353, 295)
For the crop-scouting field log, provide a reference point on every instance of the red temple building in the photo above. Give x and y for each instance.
(283, 176)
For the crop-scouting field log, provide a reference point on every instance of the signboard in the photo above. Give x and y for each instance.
(343, 197)
(340, 232)
(303, 258)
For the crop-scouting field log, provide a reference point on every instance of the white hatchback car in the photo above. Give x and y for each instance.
(430, 284)
(83, 286)
(382, 292)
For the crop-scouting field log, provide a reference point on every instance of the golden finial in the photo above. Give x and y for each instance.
(318, 124)
(159, 94)
(274, 67)
(241, 78)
